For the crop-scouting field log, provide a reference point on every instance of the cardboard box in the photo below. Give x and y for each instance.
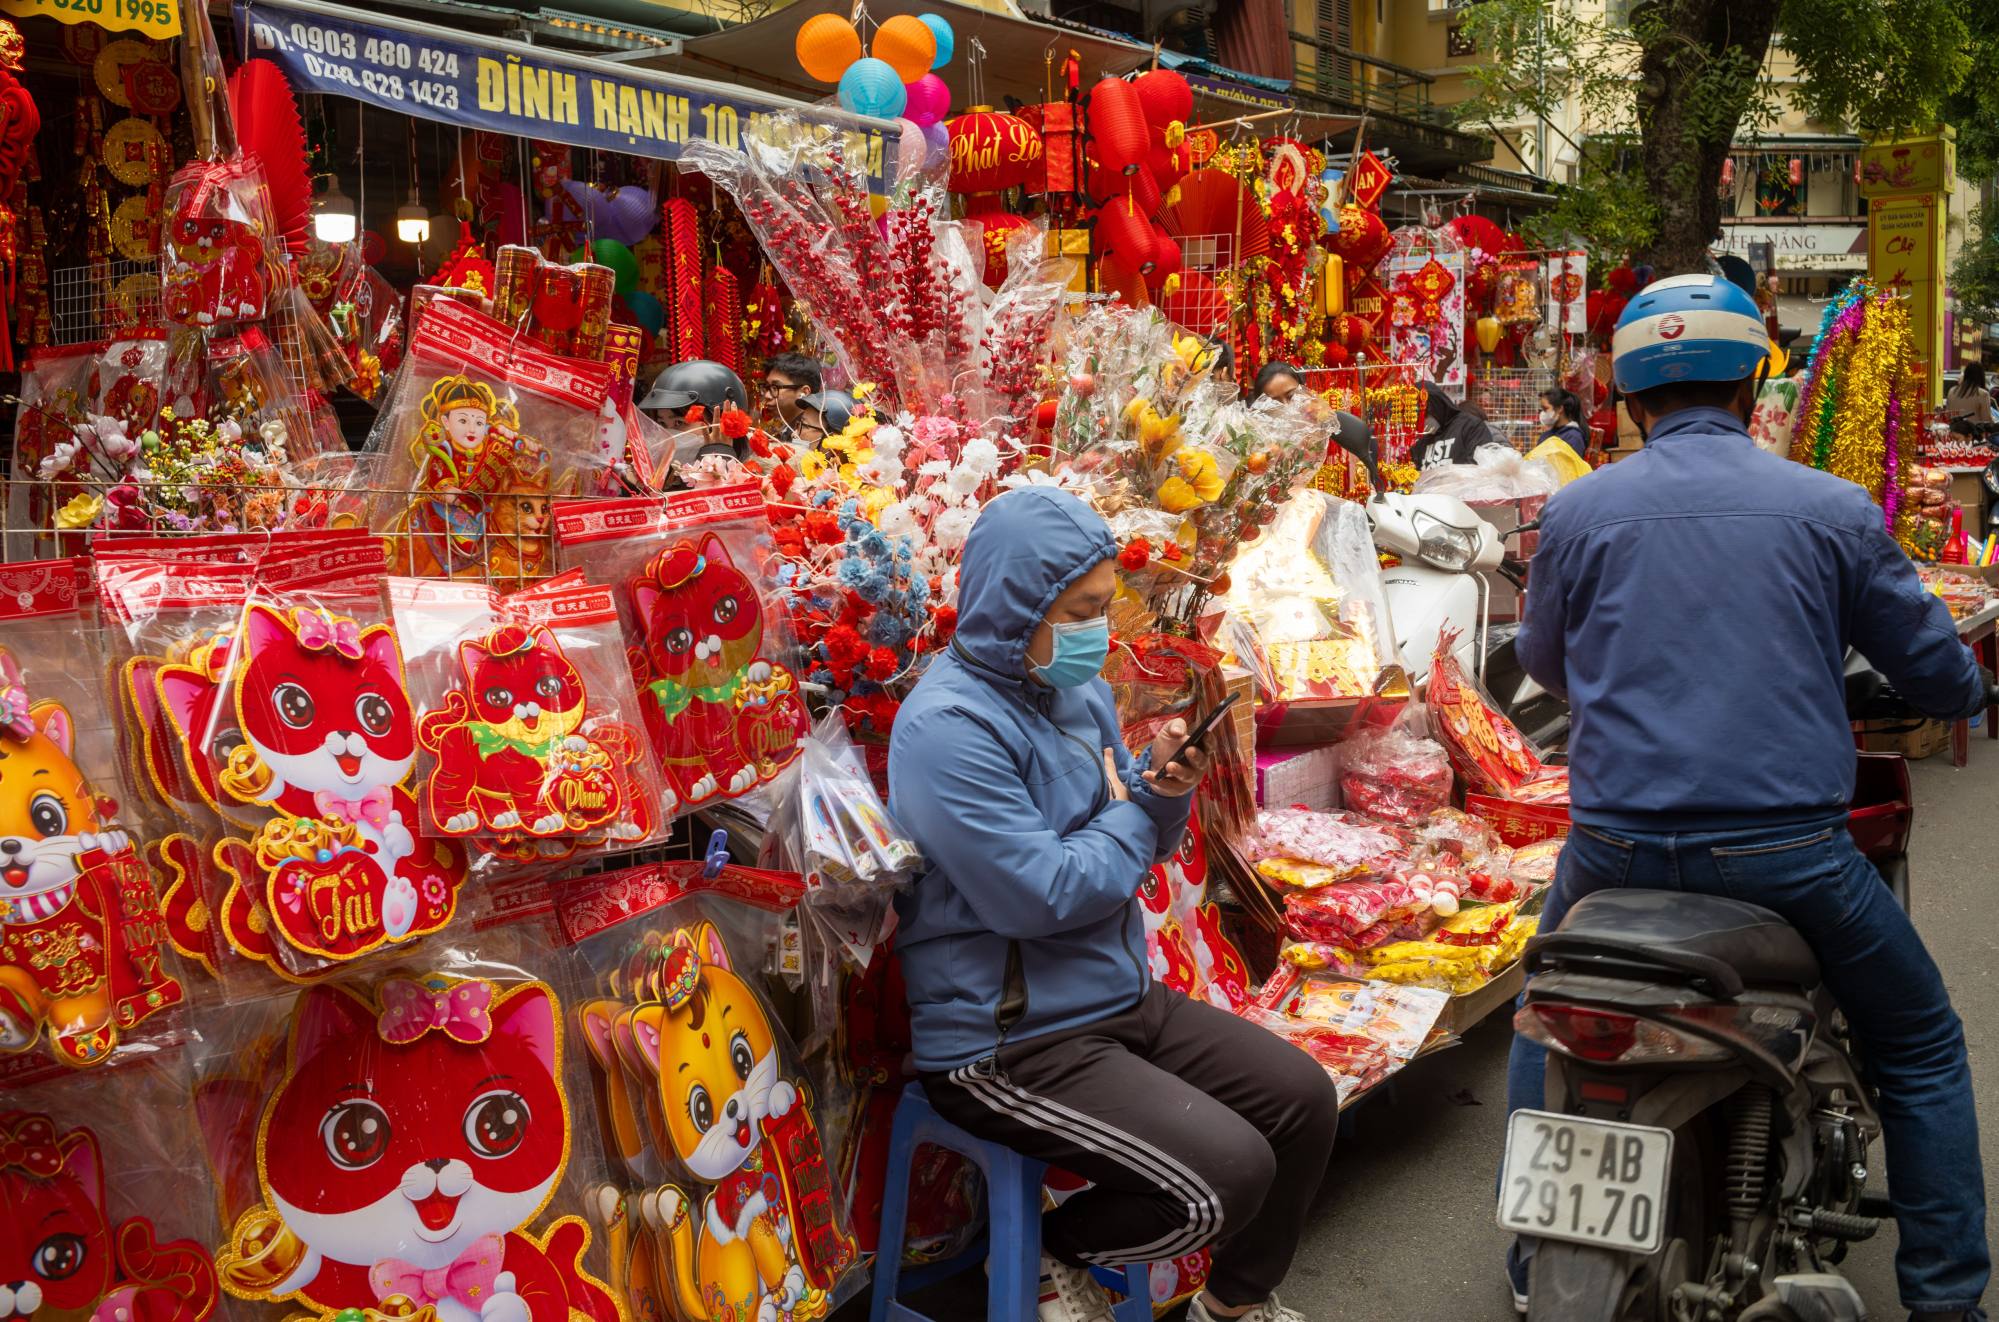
(1926, 740)
(1307, 776)
(1520, 823)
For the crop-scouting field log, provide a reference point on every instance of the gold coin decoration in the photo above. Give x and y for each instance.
(134, 151)
(133, 231)
(136, 299)
(109, 68)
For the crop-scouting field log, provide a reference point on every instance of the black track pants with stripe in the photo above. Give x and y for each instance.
(1197, 1128)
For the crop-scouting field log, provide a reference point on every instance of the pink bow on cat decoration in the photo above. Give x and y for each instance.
(467, 1279)
(371, 809)
(461, 1011)
(318, 631)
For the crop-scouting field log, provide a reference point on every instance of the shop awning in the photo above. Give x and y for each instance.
(491, 83)
(1023, 56)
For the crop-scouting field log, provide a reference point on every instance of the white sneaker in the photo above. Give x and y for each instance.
(1071, 1294)
(1268, 1311)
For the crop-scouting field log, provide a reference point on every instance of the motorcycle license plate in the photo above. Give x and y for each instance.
(1586, 1181)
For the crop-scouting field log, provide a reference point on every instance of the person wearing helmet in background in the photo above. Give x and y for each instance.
(1695, 602)
(674, 394)
(822, 414)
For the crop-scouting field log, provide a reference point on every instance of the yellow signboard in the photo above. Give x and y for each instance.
(1905, 256)
(1926, 163)
(155, 18)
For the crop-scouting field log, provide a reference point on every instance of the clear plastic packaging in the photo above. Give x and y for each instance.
(410, 1137)
(313, 743)
(704, 1100)
(532, 750)
(1394, 776)
(1496, 473)
(86, 971)
(216, 267)
(482, 429)
(1485, 747)
(710, 642)
(1343, 844)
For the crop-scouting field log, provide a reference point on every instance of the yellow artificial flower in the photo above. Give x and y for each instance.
(1160, 436)
(811, 464)
(1198, 482)
(876, 499)
(1134, 410)
(81, 512)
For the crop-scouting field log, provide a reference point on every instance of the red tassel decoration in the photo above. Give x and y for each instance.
(1116, 122)
(765, 313)
(725, 319)
(684, 332)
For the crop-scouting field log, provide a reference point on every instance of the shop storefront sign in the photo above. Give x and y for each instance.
(1800, 247)
(1904, 247)
(154, 18)
(1922, 163)
(506, 87)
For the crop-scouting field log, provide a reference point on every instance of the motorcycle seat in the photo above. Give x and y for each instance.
(1717, 944)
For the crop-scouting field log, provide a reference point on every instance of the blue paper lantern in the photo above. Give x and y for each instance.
(946, 40)
(871, 87)
(646, 310)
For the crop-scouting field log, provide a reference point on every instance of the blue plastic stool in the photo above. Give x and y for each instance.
(1013, 1196)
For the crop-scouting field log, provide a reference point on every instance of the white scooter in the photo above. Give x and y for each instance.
(1446, 549)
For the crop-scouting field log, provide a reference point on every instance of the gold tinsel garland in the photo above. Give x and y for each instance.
(1868, 382)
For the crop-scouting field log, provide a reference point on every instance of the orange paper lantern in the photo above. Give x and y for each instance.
(907, 45)
(991, 150)
(1117, 129)
(826, 45)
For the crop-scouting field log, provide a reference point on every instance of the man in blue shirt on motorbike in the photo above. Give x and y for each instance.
(1695, 602)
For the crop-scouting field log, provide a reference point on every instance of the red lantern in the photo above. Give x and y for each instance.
(1797, 170)
(1164, 97)
(1361, 240)
(1124, 233)
(1481, 283)
(1143, 189)
(1000, 227)
(1728, 172)
(1165, 256)
(1168, 165)
(991, 150)
(1117, 128)
(1114, 277)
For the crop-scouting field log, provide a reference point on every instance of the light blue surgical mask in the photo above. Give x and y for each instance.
(1081, 647)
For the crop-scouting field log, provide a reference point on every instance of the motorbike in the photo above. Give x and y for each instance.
(1704, 1154)
(1439, 587)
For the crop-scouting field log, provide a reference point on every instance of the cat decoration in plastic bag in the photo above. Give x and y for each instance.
(212, 260)
(761, 1241)
(724, 716)
(63, 1258)
(512, 751)
(409, 1146)
(80, 927)
(329, 740)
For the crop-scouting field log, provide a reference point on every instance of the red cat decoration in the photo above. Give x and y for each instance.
(513, 753)
(415, 1137)
(212, 261)
(723, 716)
(62, 1256)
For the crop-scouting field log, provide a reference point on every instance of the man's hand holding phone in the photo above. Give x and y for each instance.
(1173, 775)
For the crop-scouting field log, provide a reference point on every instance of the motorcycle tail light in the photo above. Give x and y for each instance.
(1779, 1032)
(1611, 1037)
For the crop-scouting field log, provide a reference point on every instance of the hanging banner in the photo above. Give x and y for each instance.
(1568, 285)
(506, 87)
(158, 19)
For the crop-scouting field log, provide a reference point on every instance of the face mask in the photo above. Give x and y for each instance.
(1081, 647)
(1547, 417)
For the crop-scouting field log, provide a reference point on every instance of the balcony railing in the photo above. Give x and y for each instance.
(1363, 82)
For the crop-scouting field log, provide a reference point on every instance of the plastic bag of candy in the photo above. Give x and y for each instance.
(1534, 865)
(1395, 776)
(1336, 913)
(1343, 844)
(1485, 747)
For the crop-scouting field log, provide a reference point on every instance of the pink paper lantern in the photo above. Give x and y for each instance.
(929, 100)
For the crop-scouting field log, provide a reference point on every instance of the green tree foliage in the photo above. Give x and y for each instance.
(1974, 276)
(1661, 88)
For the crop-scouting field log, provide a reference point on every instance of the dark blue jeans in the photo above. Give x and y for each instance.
(1886, 983)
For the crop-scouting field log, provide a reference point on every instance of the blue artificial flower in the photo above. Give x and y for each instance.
(819, 675)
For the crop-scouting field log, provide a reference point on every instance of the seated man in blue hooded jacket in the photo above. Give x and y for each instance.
(1035, 1021)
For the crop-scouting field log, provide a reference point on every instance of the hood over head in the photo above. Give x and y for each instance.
(1028, 545)
(1441, 406)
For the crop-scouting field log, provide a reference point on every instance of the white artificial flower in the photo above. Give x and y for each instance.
(953, 526)
(59, 459)
(887, 441)
(964, 480)
(981, 456)
(898, 520)
(230, 430)
(934, 468)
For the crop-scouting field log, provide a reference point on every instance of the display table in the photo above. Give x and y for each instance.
(1978, 632)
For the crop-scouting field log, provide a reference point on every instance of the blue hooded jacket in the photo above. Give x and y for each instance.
(1695, 603)
(1025, 923)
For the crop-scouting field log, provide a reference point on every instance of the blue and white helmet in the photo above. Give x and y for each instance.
(1688, 328)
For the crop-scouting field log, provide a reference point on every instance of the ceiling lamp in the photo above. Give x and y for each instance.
(333, 216)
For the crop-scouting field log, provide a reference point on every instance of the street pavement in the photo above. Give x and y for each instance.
(1404, 1226)
(1403, 1230)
